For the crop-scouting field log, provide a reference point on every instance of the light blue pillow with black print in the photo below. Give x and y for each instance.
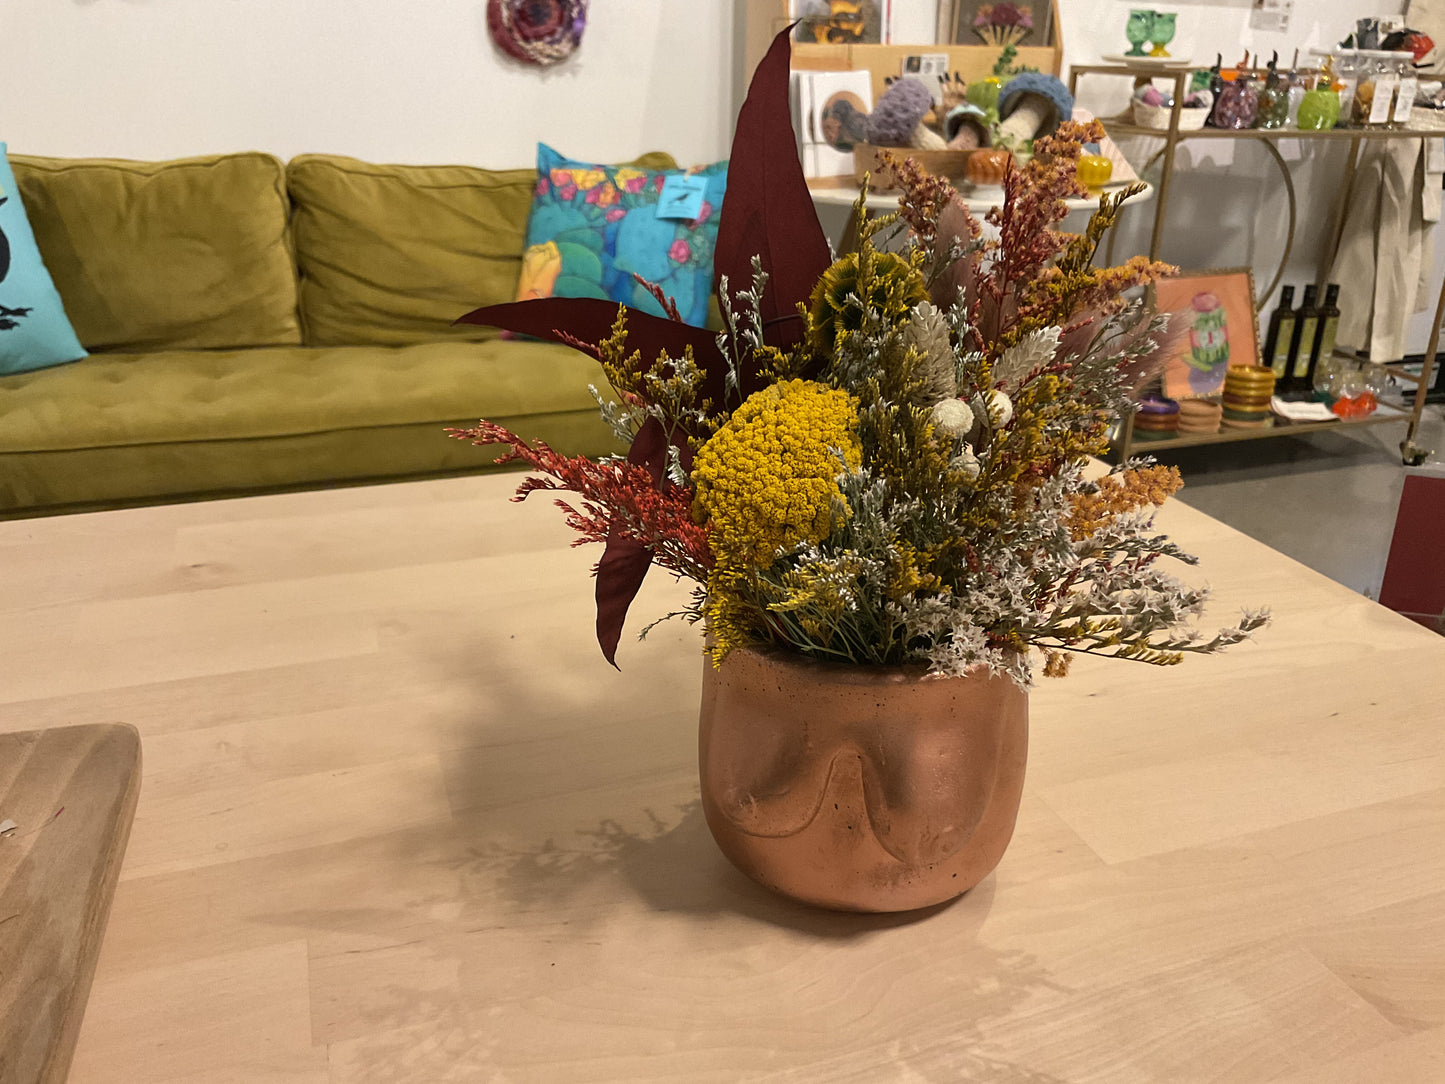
(34, 330)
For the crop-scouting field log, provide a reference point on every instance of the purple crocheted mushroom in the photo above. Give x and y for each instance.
(898, 113)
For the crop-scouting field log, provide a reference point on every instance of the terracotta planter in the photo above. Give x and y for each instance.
(860, 789)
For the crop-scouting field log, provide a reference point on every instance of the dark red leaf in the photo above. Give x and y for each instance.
(590, 319)
(649, 448)
(625, 561)
(620, 573)
(767, 211)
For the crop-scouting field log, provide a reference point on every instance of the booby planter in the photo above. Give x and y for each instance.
(860, 788)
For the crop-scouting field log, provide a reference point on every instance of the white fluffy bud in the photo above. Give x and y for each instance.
(966, 463)
(994, 409)
(953, 418)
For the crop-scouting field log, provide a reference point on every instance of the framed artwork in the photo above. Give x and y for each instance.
(1223, 328)
(842, 22)
(1005, 22)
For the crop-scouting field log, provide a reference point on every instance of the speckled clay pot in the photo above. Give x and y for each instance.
(860, 788)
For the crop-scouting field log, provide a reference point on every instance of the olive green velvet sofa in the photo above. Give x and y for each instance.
(259, 326)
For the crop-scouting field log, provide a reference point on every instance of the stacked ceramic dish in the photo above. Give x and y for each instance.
(1157, 419)
(1200, 416)
(1247, 391)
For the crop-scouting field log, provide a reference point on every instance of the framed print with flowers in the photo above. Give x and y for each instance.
(1001, 22)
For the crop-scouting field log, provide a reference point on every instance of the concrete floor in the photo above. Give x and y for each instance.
(1327, 499)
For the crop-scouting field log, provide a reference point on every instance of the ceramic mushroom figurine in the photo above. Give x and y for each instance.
(897, 118)
(1032, 105)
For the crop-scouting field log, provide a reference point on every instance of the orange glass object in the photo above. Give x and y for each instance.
(860, 788)
(1355, 406)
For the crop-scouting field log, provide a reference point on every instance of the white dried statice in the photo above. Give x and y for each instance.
(927, 333)
(1033, 350)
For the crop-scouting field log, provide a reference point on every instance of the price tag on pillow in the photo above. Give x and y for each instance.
(681, 196)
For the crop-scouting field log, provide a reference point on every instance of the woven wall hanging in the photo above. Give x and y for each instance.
(537, 31)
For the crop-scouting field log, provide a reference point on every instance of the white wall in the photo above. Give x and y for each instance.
(420, 81)
(386, 80)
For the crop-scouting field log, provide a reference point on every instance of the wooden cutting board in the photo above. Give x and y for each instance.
(71, 792)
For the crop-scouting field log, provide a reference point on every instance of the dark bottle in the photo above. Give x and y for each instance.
(1324, 346)
(1216, 88)
(1277, 337)
(1301, 346)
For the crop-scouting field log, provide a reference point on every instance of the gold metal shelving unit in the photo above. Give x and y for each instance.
(1268, 139)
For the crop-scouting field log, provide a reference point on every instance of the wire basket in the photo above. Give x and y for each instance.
(1157, 116)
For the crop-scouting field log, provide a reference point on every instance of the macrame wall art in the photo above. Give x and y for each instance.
(540, 32)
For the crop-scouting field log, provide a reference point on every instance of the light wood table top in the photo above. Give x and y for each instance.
(399, 821)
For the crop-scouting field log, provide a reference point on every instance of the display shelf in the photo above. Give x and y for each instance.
(1123, 126)
(1267, 138)
(1282, 427)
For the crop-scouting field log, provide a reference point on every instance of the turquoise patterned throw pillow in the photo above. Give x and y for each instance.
(593, 227)
(34, 330)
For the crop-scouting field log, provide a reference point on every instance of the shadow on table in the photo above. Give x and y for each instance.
(676, 867)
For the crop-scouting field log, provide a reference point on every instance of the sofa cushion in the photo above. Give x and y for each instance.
(111, 429)
(394, 254)
(34, 332)
(594, 227)
(185, 254)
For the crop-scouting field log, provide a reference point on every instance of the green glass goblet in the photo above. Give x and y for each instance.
(1137, 30)
(1161, 32)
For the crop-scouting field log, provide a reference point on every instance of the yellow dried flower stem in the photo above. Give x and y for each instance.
(1056, 663)
(623, 370)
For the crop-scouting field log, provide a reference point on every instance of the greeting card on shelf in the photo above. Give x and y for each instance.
(834, 107)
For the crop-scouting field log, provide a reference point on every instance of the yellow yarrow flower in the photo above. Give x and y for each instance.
(767, 479)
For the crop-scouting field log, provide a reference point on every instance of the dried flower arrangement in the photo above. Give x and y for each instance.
(883, 459)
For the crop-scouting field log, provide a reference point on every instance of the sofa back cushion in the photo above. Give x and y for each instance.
(186, 254)
(391, 255)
